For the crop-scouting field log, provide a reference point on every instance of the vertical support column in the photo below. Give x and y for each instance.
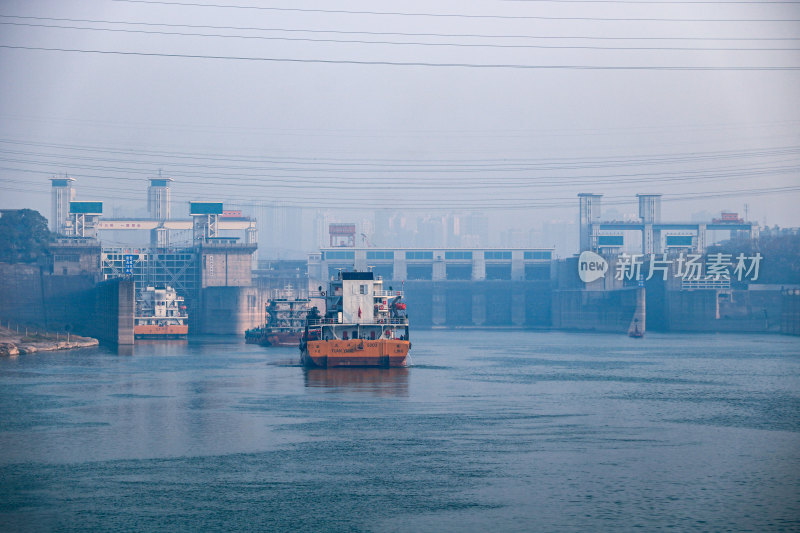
(478, 308)
(198, 228)
(205, 226)
(637, 326)
(439, 311)
(158, 206)
(159, 237)
(251, 235)
(657, 248)
(439, 269)
(125, 312)
(79, 224)
(517, 265)
(315, 266)
(158, 198)
(400, 270)
(360, 260)
(478, 266)
(650, 213)
(701, 238)
(649, 208)
(211, 228)
(518, 306)
(647, 239)
(588, 215)
(62, 194)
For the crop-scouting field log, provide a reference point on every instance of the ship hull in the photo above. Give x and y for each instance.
(280, 338)
(173, 331)
(356, 352)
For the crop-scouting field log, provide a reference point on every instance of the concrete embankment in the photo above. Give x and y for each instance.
(31, 295)
(14, 343)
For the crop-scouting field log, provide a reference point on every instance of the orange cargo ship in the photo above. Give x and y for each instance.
(160, 313)
(363, 325)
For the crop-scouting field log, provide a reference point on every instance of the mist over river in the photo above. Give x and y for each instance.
(486, 430)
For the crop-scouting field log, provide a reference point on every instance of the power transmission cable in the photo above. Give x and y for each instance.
(489, 184)
(408, 43)
(615, 159)
(442, 15)
(359, 173)
(706, 68)
(413, 34)
(570, 199)
(560, 203)
(377, 176)
(431, 179)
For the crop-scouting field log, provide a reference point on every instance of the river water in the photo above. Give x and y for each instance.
(487, 430)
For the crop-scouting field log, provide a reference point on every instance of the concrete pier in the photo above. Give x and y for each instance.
(638, 323)
(115, 306)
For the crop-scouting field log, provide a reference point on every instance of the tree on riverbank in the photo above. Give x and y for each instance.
(780, 252)
(23, 236)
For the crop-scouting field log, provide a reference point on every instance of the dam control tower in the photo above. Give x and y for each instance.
(62, 193)
(158, 207)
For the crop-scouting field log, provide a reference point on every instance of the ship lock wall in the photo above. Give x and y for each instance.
(230, 310)
(226, 267)
(30, 295)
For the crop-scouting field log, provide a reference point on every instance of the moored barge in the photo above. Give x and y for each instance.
(284, 321)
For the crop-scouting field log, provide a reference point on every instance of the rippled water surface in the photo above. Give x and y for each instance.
(488, 430)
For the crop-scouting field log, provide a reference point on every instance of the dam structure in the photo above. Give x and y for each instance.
(211, 270)
(477, 287)
(209, 258)
(651, 255)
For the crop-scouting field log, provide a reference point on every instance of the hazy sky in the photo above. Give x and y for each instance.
(509, 106)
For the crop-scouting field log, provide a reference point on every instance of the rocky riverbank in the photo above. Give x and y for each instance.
(13, 343)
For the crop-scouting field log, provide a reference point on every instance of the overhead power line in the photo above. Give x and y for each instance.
(543, 174)
(650, 37)
(415, 63)
(445, 15)
(408, 43)
(433, 180)
(427, 164)
(409, 176)
(504, 204)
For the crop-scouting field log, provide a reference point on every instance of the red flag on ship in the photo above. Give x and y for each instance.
(359, 311)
